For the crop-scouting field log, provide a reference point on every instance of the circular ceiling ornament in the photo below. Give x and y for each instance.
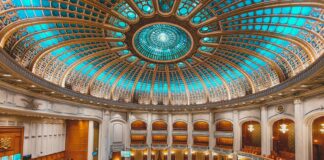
(162, 42)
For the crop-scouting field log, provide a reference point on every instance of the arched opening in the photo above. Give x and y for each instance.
(180, 126)
(138, 125)
(201, 140)
(224, 126)
(318, 138)
(251, 137)
(159, 154)
(159, 126)
(283, 139)
(201, 126)
(159, 139)
(224, 134)
(180, 139)
(137, 136)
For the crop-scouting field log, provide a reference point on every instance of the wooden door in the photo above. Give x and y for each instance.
(11, 140)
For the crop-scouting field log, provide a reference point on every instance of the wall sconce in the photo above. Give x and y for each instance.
(283, 128)
(250, 128)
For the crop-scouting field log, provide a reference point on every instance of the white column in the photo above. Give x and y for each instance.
(128, 133)
(190, 140)
(149, 136)
(299, 137)
(265, 139)
(170, 128)
(90, 140)
(104, 147)
(237, 133)
(212, 139)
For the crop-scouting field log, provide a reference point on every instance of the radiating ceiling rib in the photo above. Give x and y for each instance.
(104, 68)
(137, 79)
(136, 9)
(39, 56)
(307, 47)
(108, 10)
(247, 76)
(83, 59)
(274, 44)
(53, 60)
(185, 84)
(56, 37)
(217, 74)
(200, 79)
(264, 5)
(153, 82)
(48, 30)
(167, 72)
(130, 66)
(10, 29)
(200, 6)
(272, 63)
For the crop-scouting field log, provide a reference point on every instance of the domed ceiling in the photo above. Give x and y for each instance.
(163, 52)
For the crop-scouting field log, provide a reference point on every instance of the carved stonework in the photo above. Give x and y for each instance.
(280, 109)
(31, 104)
(5, 143)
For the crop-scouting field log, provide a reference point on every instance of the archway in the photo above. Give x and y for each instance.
(251, 137)
(318, 138)
(283, 139)
(224, 138)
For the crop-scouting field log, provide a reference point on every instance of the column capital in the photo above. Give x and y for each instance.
(298, 100)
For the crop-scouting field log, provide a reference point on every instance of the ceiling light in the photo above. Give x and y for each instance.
(283, 128)
(6, 75)
(250, 128)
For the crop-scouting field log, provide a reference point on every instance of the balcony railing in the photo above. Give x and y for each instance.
(159, 146)
(160, 132)
(222, 150)
(179, 132)
(139, 146)
(224, 134)
(252, 156)
(179, 146)
(139, 132)
(199, 147)
(201, 133)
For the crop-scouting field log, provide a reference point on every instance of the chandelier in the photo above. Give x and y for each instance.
(283, 128)
(250, 128)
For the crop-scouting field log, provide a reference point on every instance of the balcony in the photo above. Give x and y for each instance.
(224, 134)
(252, 156)
(200, 133)
(139, 132)
(139, 146)
(222, 150)
(159, 132)
(179, 132)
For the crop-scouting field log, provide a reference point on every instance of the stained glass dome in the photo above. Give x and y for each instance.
(162, 42)
(163, 52)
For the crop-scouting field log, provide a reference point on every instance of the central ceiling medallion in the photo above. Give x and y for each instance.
(162, 42)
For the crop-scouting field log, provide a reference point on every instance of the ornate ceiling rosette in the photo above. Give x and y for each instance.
(163, 52)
